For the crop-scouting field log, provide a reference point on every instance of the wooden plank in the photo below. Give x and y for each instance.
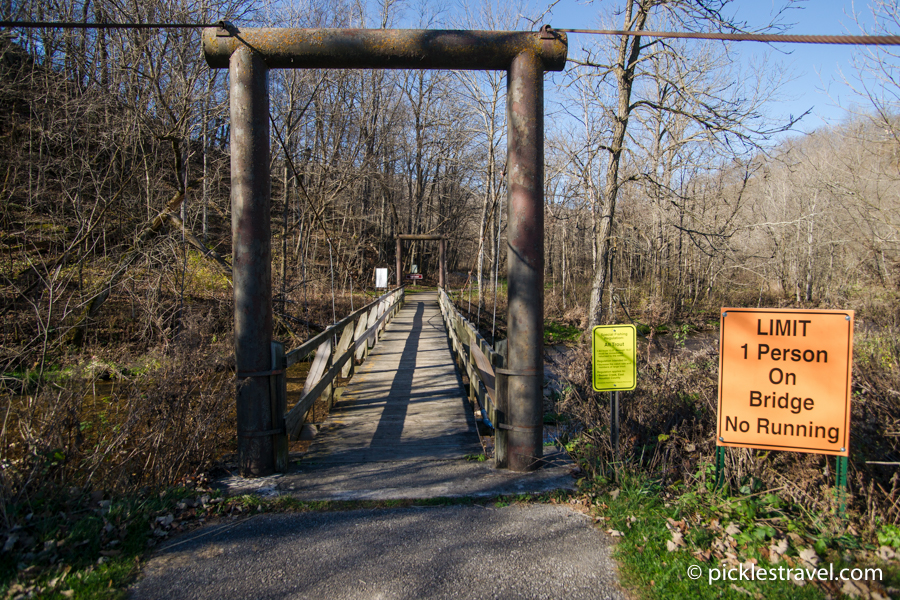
(485, 371)
(320, 363)
(294, 418)
(360, 329)
(342, 347)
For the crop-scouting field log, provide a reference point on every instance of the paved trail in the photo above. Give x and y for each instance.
(533, 551)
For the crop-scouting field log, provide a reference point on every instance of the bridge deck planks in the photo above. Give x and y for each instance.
(406, 402)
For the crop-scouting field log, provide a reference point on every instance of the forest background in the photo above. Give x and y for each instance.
(673, 187)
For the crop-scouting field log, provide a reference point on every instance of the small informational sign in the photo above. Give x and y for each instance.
(414, 269)
(381, 276)
(415, 276)
(613, 358)
(784, 379)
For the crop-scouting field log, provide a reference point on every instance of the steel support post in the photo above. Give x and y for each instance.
(252, 259)
(525, 164)
(399, 271)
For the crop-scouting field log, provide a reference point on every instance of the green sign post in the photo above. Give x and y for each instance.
(614, 368)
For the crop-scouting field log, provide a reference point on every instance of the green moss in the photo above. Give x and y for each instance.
(559, 333)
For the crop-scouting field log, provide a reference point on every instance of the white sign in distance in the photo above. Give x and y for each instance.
(381, 278)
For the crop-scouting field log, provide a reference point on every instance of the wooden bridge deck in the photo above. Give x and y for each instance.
(406, 402)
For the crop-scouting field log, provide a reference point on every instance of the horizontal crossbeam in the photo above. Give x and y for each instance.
(283, 48)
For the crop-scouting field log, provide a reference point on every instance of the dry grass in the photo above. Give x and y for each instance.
(146, 429)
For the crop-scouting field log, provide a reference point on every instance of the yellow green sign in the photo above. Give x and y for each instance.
(613, 358)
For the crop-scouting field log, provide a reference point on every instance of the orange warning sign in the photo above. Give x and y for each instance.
(784, 379)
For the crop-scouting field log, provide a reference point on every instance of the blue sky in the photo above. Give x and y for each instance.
(817, 81)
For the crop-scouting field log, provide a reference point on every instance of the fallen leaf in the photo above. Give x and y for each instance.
(749, 565)
(776, 549)
(615, 493)
(885, 553)
(673, 524)
(855, 589)
(732, 529)
(798, 581)
(676, 542)
(615, 533)
(809, 556)
(166, 520)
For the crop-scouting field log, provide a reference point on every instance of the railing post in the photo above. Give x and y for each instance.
(278, 391)
(373, 316)
(470, 366)
(361, 326)
(500, 417)
(343, 346)
(252, 259)
(329, 391)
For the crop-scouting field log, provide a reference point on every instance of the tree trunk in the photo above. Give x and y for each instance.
(625, 74)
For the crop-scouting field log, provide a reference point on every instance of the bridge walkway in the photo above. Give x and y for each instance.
(406, 402)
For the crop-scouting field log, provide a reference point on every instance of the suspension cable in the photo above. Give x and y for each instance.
(82, 25)
(858, 40)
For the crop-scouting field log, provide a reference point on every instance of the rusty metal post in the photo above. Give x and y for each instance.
(385, 48)
(399, 272)
(441, 266)
(525, 164)
(252, 259)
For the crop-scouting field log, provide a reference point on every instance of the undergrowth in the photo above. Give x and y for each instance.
(774, 509)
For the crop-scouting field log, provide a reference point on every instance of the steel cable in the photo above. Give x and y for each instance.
(859, 40)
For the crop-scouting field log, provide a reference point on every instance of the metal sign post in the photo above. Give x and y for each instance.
(614, 368)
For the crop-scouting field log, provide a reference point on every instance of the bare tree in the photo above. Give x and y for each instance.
(715, 106)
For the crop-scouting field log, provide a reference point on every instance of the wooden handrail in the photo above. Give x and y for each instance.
(328, 365)
(313, 343)
(479, 360)
(478, 356)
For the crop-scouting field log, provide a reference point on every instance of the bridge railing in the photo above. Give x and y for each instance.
(332, 367)
(483, 365)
